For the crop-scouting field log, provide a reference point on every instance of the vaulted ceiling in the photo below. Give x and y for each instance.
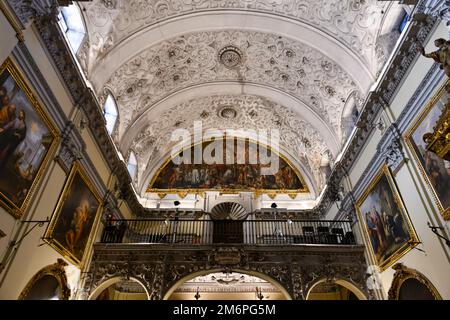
(302, 67)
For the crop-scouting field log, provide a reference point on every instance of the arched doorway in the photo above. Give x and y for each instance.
(334, 290)
(227, 285)
(410, 284)
(228, 222)
(118, 288)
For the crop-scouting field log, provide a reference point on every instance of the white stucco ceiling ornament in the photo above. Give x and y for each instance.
(298, 137)
(192, 59)
(354, 23)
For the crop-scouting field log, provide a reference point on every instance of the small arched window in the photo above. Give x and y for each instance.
(110, 112)
(72, 25)
(403, 22)
(132, 165)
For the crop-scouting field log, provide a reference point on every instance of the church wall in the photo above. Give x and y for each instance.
(411, 96)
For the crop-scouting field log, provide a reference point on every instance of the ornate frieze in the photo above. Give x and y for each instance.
(158, 268)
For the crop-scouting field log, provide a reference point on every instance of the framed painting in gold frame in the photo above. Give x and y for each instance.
(75, 217)
(387, 227)
(434, 170)
(27, 140)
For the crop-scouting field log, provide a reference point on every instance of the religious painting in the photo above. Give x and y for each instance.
(27, 140)
(236, 168)
(434, 169)
(75, 216)
(385, 220)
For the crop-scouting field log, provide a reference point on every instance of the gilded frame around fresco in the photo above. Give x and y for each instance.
(48, 236)
(272, 193)
(414, 240)
(445, 212)
(20, 80)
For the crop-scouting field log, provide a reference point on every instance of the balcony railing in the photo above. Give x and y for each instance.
(252, 232)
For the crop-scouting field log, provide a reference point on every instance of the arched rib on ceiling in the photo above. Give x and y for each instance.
(355, 24)
(271, 95)
(361, 70)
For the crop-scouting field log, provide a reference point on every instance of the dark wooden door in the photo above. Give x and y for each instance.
(228, 231)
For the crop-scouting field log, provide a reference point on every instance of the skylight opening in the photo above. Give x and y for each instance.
(71, 23)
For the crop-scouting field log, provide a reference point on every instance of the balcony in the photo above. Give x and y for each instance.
(247, 232)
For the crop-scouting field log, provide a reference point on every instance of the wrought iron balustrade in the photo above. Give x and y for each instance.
(265, 232)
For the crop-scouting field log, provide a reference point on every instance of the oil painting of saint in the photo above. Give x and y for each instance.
(26, 139)
(75, 217)
(386, 221)
(436, 170)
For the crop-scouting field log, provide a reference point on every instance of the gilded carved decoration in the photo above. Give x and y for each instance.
(403, 273)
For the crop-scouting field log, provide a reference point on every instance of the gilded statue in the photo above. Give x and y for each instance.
(441, 55)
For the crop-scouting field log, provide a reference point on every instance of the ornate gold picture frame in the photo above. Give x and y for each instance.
(77, 214)
(28, 140)
(434, 169)
(388, 230)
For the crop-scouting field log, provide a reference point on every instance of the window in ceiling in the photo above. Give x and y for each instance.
(403, 23)
(110, 112)
(71, 23)
(132, 165)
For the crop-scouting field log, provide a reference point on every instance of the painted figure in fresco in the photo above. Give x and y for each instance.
(441, 55)
(195, 176)
(77, 225)
(11, 135)
(378, 228)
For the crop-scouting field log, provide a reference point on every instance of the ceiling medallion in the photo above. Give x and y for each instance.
(230, 56)
(227, 112)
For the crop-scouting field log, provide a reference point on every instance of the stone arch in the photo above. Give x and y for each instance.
(109, 282)
(178, 282)
(348, 284)
(403, 273)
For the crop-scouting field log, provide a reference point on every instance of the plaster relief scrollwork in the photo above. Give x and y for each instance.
(354, 23)
(191, 59)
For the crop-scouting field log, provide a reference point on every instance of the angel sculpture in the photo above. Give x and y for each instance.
(441, 56)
